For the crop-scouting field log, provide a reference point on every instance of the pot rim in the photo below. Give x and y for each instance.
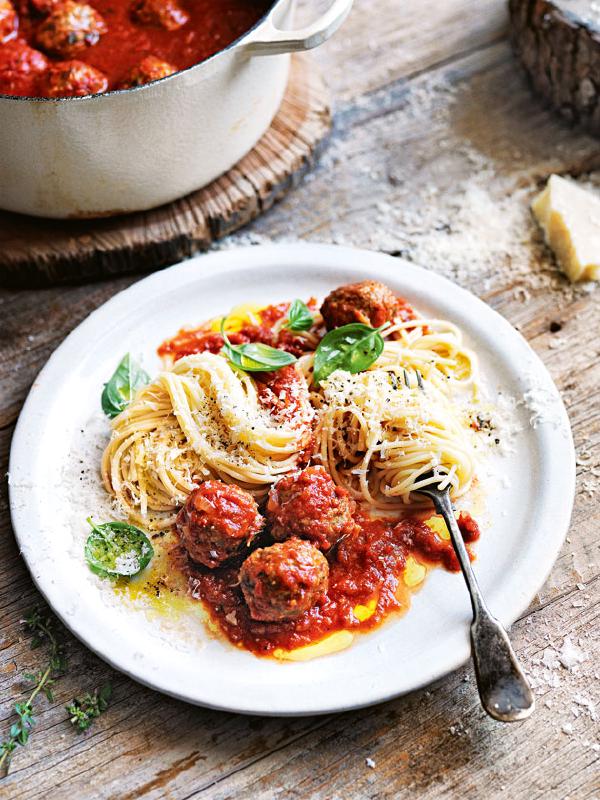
(83, 98)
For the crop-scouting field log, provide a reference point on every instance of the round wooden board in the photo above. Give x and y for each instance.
(558, 44)
(36, 252)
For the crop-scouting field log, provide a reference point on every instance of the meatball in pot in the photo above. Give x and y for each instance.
(283, 581)
(70, 28)
(309, 505)
(166, 14)
(149, 69)
(74, 79)
(21, 68)
(217, 522)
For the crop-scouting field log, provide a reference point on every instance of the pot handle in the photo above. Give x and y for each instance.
(274, 41)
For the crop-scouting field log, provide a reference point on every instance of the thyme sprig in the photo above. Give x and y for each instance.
(84, 710)
(42, 629)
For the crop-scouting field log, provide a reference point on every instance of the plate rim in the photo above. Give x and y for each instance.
(245, 258)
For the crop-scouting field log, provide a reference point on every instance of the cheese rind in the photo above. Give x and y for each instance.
(570, 219)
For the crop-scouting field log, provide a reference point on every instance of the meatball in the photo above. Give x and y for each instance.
(149, 69)
(20, 69)
(369, 302)
(217, 522)
(283, 581)
(9, 22)
(167, 14)
(70, 28)
(74, 79)
(310, 506)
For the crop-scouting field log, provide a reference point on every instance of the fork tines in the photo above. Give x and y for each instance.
(418, 376)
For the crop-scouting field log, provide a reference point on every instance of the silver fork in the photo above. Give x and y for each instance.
(503, 688)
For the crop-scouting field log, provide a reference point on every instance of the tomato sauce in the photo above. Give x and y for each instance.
(367, 566)
(203, 339)
(283, 393)
(212, 26)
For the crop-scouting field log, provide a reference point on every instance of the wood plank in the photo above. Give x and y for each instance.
(33, 324)
(440, 743)
(384, 43)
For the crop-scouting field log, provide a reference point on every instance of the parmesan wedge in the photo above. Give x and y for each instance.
(570, 219)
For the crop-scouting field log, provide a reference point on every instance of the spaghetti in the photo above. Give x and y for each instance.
(379, 437)
(382, 430)
(202, 419)
(377, 433)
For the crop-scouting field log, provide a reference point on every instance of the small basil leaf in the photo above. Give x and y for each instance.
(300, 317)
(352, 348)
(116, 548)
(119, 391)
(254, 356)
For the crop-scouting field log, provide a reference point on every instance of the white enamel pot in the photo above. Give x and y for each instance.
(138, 148)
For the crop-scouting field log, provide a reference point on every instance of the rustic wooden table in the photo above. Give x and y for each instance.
(437, 149)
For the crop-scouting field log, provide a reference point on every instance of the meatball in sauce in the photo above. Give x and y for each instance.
(310, 506)
(149, 69)
(130, 42)
(74, 79)
(369, 302)
(69, 29)
(218, 522)
(283, 581)
(166, 14)
(21, 68)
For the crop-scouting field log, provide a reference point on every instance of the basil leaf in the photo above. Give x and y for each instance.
(117, 548)
(119, 391)
(254, 356)
(352, 347)
(300, 317)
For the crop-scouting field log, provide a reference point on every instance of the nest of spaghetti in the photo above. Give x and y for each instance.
(376, 432)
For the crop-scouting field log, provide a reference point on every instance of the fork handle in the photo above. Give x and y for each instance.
(503, 688)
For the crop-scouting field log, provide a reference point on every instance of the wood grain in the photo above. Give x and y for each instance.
(437, 142)
(46, 252)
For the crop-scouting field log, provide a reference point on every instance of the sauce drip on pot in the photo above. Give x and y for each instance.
(111, 44)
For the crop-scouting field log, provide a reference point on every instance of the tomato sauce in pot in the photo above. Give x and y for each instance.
(54, 48)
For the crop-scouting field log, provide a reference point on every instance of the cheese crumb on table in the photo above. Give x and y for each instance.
(570, 219)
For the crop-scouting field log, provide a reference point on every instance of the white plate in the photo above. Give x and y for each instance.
(527, 517)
